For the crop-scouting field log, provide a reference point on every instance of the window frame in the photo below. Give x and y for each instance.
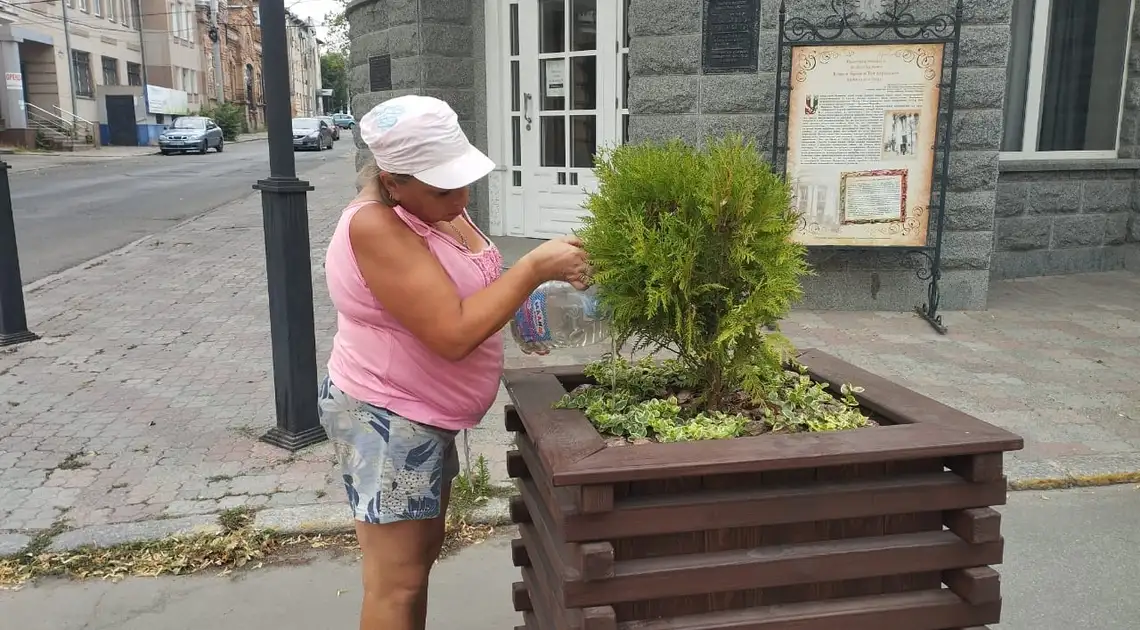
(1035, 88)
(138, 74)
(81, 72)
(114, 66)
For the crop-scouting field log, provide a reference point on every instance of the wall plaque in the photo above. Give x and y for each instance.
(379, 73)
(731, 36)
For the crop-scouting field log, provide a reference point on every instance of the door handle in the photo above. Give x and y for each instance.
(527, 100)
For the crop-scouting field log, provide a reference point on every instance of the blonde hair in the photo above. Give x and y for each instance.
(370, 174)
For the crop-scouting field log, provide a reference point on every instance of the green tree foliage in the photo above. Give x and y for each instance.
(334, 76)
(336, 30)
(692, 252)
(230, 117)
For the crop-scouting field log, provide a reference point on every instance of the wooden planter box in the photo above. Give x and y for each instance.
(883, 528)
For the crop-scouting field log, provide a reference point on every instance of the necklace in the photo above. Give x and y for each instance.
(462, 239)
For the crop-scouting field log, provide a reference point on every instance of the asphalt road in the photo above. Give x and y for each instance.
(69, 214)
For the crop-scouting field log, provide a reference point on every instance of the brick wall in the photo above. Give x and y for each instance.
(436, 49)
(669, 97)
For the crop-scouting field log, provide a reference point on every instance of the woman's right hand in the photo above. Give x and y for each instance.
(560, 259)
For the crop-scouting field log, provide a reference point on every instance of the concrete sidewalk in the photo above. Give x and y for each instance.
(1071, 559)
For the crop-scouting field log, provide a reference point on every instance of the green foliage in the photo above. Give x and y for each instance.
(334, 76)
(692, 251)
(336, 30)
(229, 116)
(646, 400)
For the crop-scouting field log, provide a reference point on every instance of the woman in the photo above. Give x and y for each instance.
(420, 299)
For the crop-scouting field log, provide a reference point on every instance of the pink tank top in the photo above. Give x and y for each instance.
(378, 361)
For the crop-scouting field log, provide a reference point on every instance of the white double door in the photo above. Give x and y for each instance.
(565, 68)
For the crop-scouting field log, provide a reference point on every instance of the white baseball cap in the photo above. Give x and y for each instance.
(420, 136)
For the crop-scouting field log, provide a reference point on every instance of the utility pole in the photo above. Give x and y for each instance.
(215, 37)
(288, 268)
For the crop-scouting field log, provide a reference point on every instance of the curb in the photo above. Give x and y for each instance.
(1069, 482)
(313, 519)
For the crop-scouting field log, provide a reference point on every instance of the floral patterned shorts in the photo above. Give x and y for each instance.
(394, 469)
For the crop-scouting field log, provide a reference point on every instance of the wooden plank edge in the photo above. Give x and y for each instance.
(983, 467)
(519, 555)
(560, 501)
(768, 453)
(673, 514)
(974, 525)
(936, 610)
(785, 565)
(565, 436)
(554, 544)
(977, 585)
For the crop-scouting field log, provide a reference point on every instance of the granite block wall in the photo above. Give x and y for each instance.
(436, 49)
(670, 97)
(1074, 216)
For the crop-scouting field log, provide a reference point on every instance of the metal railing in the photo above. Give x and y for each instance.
(60, 127)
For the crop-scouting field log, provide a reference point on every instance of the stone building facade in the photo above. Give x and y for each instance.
(1044, 161)
(239, 43)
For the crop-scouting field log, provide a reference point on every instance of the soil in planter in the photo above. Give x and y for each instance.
(632, 402)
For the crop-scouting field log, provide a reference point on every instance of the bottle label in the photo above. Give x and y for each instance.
(531, 319)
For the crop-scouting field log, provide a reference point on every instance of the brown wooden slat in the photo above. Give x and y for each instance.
(562, 557)
(545, 615)
(511, 420)
(985, 467)
(599, 618)
(774, 452)
(520, 597)
(561, 436)
(977, 585)
(516, 466)
(597, 561)
(772, 506)
(519, 557)
(782, 565)
(594, 499)
(517, 509)
(923, 610)
(559, 501)
(545, 574)
(530, 622)
(976, 525)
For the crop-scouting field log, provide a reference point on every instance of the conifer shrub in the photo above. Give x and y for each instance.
(692, 253)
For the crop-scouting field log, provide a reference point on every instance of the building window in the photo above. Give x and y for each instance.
(186, 85)
(1065, 80)
(97, 7)
(81, 69)
(134, 74)
(111, 9)
(110, 71)
(136, 20)
(83, 6)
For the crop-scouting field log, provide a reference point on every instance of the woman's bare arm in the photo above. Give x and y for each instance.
(406, 278)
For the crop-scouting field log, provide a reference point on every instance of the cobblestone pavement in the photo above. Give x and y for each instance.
(145, 398)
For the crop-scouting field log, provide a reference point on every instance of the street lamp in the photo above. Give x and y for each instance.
(13, 319)
(285, 217)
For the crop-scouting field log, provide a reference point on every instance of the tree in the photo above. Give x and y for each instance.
(334, 76)
(336, 25)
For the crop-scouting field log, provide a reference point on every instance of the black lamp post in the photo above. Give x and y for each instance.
(285, 217)
(13, 319)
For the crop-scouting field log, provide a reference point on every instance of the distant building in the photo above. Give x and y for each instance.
(304, 65)
(239, 40)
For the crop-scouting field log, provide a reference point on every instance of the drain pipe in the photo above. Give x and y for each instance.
(137, 6)
(70, 63)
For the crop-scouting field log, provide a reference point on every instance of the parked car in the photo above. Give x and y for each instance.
(332, 125)
(191, 133)
(344, 121)
(311, 133)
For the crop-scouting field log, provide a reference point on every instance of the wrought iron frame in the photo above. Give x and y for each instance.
(893, 25)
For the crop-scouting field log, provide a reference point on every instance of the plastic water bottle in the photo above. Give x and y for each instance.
(557, 315)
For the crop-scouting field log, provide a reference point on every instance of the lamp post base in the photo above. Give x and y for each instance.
(11, 339)
(293, 442)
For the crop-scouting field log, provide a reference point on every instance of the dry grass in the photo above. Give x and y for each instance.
(238, 546)
(1077, 481)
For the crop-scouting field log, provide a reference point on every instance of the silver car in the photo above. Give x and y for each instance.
(311, 133)
(191, 133)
